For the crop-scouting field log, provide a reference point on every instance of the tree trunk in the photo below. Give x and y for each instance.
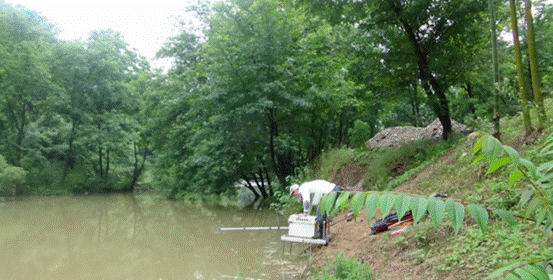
(68, 154)
(266, 171)
(536, 87)
(273, 133)
(271, 192)
(265, 183)
(496, 115)
(100, 161)
(137, 169)
(260, 186)
(413, 98)
(249, 186)
(433, 89)
(106, 174)
(522, 86)
(470, 94)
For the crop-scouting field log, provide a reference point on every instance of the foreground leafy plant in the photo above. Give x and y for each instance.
(536, 198)
(345, 269)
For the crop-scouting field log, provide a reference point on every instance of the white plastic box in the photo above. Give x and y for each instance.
(303, 226)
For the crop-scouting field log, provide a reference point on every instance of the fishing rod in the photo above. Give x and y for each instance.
(252, 228)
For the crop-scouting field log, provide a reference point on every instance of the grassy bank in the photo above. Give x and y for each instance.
(423, 168)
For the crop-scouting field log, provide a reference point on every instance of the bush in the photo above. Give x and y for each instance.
(345, 269)
(10, 176)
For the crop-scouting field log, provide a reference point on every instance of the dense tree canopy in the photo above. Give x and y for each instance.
(255, 93)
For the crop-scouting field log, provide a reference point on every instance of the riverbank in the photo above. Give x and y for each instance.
(423, 251)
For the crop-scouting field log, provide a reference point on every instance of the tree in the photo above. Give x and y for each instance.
(433, 40)
(103, 105)
(522, 86)
(70, 72)
(496, 116)
(25, 80)
(265, 91)
(248, 43)
(536, 79)
(544, 39)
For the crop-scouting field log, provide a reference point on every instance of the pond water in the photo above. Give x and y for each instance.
(138, 237)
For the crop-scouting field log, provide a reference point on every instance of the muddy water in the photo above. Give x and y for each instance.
(137, 237)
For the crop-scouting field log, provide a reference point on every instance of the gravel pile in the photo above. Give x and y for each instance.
(402, 134)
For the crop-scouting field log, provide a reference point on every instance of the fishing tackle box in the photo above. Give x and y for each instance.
(301, 226)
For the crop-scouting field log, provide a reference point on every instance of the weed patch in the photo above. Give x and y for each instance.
(345, 269)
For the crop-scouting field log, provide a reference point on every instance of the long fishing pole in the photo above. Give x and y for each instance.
(252, 228)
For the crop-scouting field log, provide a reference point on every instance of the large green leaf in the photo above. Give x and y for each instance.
(506, 216)
(545, 179)
(534, 204)
(500, 272)
(436, 210)
(357, 203)
(491, 149)
(548, 226)
(402, 205)
(540, 215)
(478, 146)
(342, 201)
(537, 271)
(547, 149)
(514, 176)
(512, 277)
(418, 208)
(327, 202)
(525, 197)
(371, 204)
(546, 167)
(498, 164)
(478, 158)
(480, 215)
(513, 154)
(386, 203)
(523, 274)
(456, 213)
(530, 167)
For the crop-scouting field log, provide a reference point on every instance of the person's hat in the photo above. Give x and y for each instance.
(293, 188)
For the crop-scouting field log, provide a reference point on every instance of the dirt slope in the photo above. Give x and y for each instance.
(389, 256)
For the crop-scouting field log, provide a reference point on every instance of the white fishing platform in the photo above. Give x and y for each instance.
(301, 229)
(305, 240)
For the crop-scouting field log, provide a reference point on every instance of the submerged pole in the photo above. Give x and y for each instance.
(253, 228)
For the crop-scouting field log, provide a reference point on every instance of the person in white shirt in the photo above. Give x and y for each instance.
(310, 193)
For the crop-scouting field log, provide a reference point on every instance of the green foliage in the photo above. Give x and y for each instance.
(535, 199)
(25, 80)
(360, 133)
(371, 204)
(496, 249)
(10, 176)
(329, 163)
(345, 268)
(389, 167)
(418, 206)
(67, 110)
(537, 186)
(436, 210)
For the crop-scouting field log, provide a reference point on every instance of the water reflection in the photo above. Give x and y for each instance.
(137, 237)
